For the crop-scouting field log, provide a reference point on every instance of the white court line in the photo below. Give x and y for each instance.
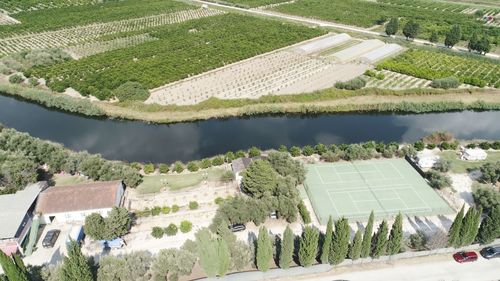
(364, 187)
(397, 170)
(380, 173)
(354, 202)
(425, 203)
(333, 204)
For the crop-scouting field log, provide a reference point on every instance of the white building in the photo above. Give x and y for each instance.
(358, 50)
(473, 154)
(324, 43)
(381, 53)
(74, 203)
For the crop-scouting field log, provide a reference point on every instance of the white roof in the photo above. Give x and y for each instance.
(381, 53)
(357, 50)
(475, 152)
(324, 43)
(13, 208)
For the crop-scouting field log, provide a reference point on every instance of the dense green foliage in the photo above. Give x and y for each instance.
(453, 36)
(490, 172)
(379, 240)
(177, 54)
(395, 236)
(133, 266)
(259, 179)
(304, 213)
(69, 16)
(287, 248)
(355, 247)
(353, 84)
(264, 250)
(486, 198)
(248, 3)
(13, 271)
(392, 27)
(327, 242)
(213, 252)
(58, 158)
(454, 232)
(367, 237)
(170, 264)
(51, 100)
(490, 227)
(131, 91)
(418, 240)
(470, 226)
(340, 241)
(446, 83)
(308, 246)
(16, 171)
(75, 265)
(436, 65)
(284, 165)
(368, 13)
(438, 180)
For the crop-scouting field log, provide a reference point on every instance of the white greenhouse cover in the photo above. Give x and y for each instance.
(355, 51)
(381, 53)
(324, 43)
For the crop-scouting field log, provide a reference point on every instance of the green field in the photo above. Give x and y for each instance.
(432, 65)
(155, 183)
(248, 3)
(182, 50)
(367, 13)
(461, 166)
(69, 16)
(354, 189)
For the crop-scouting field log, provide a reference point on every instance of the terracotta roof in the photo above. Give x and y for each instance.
(81, 197)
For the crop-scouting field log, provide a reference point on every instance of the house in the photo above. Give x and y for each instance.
(473, 154)
(16, 217)
(75, 202)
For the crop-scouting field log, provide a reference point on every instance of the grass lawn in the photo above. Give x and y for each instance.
(460, 166)
(152, 184)
(62, 180)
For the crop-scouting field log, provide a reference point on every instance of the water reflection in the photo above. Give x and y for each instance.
(137, 141)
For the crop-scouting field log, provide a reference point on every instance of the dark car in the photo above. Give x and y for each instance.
(50, 238)
(491, 252)
(462, 257)
(237, 227)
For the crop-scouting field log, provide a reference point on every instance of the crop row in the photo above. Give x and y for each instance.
(71, 16)
(182, 50)
(77, 35)
(366, 14)
(17, 6)
(248, 3)
(433, 65)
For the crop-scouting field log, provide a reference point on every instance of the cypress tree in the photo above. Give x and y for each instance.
(325, 250)
(392, 26)
(75, 266)
(287, 247)
(454, 232)
(340, 241)
(264, 251)
(223, 256)
(12, 271)
(453, 36)
(473, 42)
(434, 37)
(308, 248)
(396, 236)
(355, 249)
(469, 227)
(380, 240)
(367, 237)
(19, 263)
(490, 227)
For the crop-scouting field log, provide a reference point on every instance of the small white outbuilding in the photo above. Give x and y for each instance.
(358, 50)
(473, 154)
(380, 53)
(324, 43)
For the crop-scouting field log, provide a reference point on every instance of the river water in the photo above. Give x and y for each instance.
(138, 141)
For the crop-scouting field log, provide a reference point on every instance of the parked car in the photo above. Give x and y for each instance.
(237, 227)
(491, 252)
(50, 238)
(462, 257)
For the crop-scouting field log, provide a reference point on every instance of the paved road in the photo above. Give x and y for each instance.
(322, 23)
(447, 270)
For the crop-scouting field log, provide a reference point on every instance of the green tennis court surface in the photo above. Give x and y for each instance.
(354, 189)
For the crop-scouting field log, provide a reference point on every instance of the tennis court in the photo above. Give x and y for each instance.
(354, 189)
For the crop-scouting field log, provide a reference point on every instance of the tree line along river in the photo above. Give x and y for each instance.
(139, 141)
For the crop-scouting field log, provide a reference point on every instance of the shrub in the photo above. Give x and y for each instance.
(308, 150)
(431, 146)
(495, 145)
(33, 82)
(155, 211)
(171, 230)
(442, 165)
(218, 160)
(353, 84)
(219, 200)
(193, 205)
(486, 198)
(165, 210)
(253, 152)
(206, 163)
(229, 157)
(131, 91)
(149, 168)
(419, 145)
(418, 240)
(373, 74)
(240, 153)
(445, 83)
(186, 226)
(157, 232)
(485, 145)
(136, 165)
(178, 167)
(16, 79)
(304, 213)
(283, 148)
(164, 168)
(175, 208)
(438, 180)
(295, 151)
(192, 166)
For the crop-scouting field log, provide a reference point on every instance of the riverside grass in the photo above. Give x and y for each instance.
(327, 101)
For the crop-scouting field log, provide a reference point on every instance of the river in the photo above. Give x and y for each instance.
(138, 141)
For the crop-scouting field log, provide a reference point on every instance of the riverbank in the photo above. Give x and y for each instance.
(326, 101)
